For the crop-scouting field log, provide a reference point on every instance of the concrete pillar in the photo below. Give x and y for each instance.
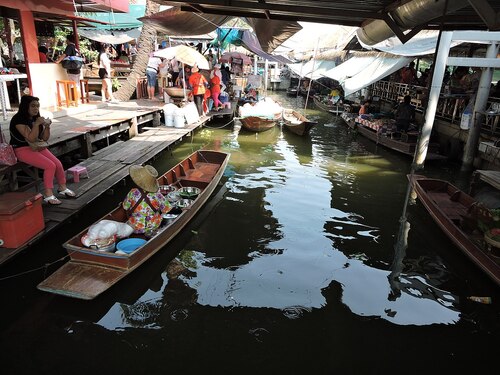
(430, 113)
(266, 74)
(483, 92)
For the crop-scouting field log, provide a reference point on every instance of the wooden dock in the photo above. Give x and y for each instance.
(137, 122)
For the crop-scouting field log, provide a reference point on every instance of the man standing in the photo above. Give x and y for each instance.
(73, 74)
(405, 114)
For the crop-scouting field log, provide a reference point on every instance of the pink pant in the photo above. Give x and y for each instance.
(44, 160)
(215, 98)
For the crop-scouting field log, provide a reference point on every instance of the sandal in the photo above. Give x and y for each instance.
(52, 200)
(67, 193)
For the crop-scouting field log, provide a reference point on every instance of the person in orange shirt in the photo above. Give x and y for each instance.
(198, 82)
(364, 109)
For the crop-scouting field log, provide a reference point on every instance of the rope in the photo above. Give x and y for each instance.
(220, 127)
(45, 267)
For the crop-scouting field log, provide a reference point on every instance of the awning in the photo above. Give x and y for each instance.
(110, 36)
(270, 33)
(115, 21)
(380, 68)
(313, 69)
(424, 43)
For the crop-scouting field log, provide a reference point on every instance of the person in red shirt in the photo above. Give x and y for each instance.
(198, 82)
(42, 53)
(215, 88)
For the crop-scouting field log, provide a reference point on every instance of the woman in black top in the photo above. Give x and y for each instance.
(28, 126)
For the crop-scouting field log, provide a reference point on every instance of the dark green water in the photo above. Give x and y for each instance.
(292, 267)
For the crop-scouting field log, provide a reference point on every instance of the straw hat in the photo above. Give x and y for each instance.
(144, 177)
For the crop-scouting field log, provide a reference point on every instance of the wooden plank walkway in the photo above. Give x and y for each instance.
(109, 165)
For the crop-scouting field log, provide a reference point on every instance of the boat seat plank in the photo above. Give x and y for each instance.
(450, 207)
(80, 280)
(203, 172)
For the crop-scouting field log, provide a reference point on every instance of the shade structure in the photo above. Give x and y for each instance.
(227, 56)
(185, 55)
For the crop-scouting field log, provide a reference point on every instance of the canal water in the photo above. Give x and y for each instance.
(300, 263)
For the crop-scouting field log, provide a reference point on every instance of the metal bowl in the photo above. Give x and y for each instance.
(176, 92)
(189, 192)
(165, 189)
(173, 196)
(168, 218)
(101, 244)
(184, 203)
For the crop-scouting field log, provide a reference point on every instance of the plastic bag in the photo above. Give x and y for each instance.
(72, 62)
(109, 228)
(7, 155)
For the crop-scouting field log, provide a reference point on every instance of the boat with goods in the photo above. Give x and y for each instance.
(458, 215)
(383, 131)
(92, 270)
(260, 116)
(322, 102)
(296, 122)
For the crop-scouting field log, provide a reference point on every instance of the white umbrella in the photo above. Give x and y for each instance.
(185, 55)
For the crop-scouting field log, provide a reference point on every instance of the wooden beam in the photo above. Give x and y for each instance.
(232, 7)
(487, 13)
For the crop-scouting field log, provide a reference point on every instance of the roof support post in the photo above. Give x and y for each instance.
(430, 113)
(483, 93)
(30, 44)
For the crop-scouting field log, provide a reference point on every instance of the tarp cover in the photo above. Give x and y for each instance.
(118, 20)
(313, 69)
(424, 43)
(270, 33)
(110, 36)
(377, 70)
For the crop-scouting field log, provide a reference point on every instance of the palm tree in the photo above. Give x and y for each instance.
(146, 46)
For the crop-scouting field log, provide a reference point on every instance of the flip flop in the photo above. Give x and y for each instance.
(52, 200)
(67, 193)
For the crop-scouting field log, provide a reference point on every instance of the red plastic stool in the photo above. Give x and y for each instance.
(77, 170)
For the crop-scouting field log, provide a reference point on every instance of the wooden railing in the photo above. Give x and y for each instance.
(450, 107)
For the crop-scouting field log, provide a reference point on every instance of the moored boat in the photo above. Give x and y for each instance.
(257, 123)
(92, 271)
(384, 132)
(452, 210)
(322, 103)
(296, 122)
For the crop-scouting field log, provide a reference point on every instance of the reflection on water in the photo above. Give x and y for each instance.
(304, 231)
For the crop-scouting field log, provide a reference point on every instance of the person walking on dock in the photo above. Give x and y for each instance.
(198, 83)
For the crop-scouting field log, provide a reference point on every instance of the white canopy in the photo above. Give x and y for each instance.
(313, 69)
(378, 69)
(110, 36)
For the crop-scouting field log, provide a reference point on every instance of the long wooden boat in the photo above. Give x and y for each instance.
(336, 109)
(91, 272)
(403, 143)
(257, 123)
(449, 207)
(296, 122)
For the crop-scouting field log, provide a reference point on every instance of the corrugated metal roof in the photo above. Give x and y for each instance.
(340, 12)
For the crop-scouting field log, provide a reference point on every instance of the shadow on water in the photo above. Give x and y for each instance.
(298, 263)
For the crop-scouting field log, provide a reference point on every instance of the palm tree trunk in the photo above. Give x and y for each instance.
(146, 46)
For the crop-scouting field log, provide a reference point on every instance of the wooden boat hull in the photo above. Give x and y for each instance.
(297, 123)
(257, 124)
(404, 147)
(335, 109)
(91, 272)
(448, 205)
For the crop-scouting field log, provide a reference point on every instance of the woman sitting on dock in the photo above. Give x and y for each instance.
(145, 204)
(28, 126)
